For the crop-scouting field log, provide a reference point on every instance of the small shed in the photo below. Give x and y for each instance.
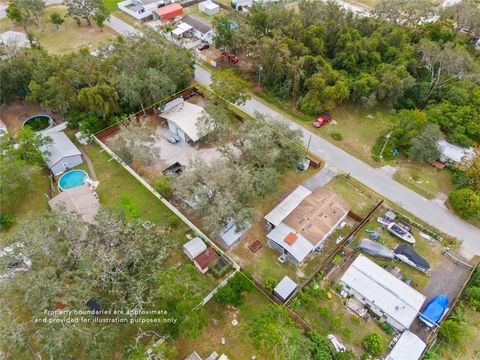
(168, 12)
(408, 347)
(203, 261)
(194, 247)
(284, 288)
(208, 7)
(61, 153)
(230, 235)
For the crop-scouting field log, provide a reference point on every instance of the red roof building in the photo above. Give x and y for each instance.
(203, 260)
(168, 12)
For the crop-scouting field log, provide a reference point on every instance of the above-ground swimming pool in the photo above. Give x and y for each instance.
(39, 122)
(72, 179)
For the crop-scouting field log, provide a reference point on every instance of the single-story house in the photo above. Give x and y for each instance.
(141, 9)
(450, 153)
(284, 289)
(182, 120)
(80, 200)
(303, 220)
(203, 261)
(194, 247)
(382, 293)
(202, 29)
(208, 7)
(193, 356)
(62, 153)
(230, 235)
(408, 347)
(167, 13)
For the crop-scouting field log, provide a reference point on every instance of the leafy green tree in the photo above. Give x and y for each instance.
(473, 297)
(326, 89)
(31, 146)
(424, 146)
(407, 124)
(56, 19)
(232, 292)
(83, 9)
(26, 11)
(466, 203)
(101, 99)
(451, 331)
(373, 344)
(465, 15)
(15, 14)
(405, 12)
(100, 17)
(224, 33)
(230, 86)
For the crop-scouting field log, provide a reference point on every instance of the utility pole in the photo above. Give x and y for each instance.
(260, 69)
(389, 135)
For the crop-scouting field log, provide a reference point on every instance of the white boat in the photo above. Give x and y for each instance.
(398, 231)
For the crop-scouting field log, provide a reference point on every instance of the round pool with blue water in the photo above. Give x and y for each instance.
(72, 179)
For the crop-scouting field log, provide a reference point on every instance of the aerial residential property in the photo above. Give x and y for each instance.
(240, 179)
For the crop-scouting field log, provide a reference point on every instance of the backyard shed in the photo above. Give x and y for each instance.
(230, 235)
(168, 12)
(408, 347)
(208, 7)
(285, 288)
(62, 153)
(383, 293)
(80, 200)
(194, 247)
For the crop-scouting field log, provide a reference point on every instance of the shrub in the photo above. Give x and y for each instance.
(347, 333)
(162, 185)
(473, 297)
(232, 292)
(373, 344)
(451, 332)
(465, 202)
(460, 180)
(6, 221)
(269, 284)
(337, 136)
(431, 355)
(387, 328)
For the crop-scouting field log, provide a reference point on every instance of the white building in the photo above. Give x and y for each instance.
(285, 288)
(183, 119)
(141, 9)
(383, 293)
(303, 220)
(61, 154)
(450, 153)
(202, 29)
(408, 347)
(208, 7)
(194, 247)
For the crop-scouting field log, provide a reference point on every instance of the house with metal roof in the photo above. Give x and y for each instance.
(303, 221)
(61, 154)
(450, 153)
(382, 293)
(408, 347)
(202, 29)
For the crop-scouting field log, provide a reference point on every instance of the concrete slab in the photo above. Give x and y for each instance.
(320, 179)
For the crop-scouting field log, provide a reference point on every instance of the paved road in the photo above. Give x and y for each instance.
(377, 179)
(121, 26)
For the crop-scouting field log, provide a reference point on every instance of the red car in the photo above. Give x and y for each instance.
(322, 120)
(203, 47)
(231, 57)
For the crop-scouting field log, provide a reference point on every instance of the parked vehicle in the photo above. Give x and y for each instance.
(322, 120)
(204, 46)
(231, 57)
(434, 310)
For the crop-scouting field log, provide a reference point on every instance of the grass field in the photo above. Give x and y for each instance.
(111, 5)
(68, 37)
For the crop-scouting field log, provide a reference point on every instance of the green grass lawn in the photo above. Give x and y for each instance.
(360, 199)
(111, 5)
(68, 37)
(425, 180)
(35, 201)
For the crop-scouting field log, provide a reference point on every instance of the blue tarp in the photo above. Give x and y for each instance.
(434, 310)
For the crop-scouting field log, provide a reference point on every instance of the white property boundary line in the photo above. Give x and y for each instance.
(176, 212)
